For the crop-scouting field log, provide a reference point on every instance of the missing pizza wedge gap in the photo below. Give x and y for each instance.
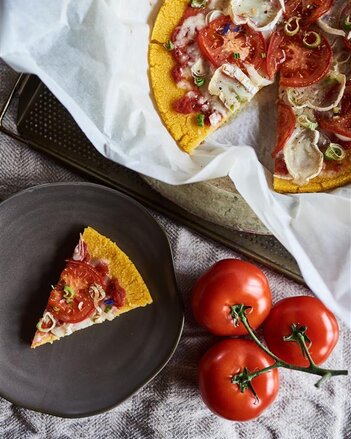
(98, 283)
(209, 58)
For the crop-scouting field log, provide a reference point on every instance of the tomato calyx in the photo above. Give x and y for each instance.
(298, 334)
(236, 311)
(243, 380)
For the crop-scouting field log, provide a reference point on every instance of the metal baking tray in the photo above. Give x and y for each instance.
(45, 125)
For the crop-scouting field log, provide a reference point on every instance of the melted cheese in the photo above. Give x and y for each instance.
(318, 96)
(189, 29)
(232, 86)
(303, 158)
(260, 15)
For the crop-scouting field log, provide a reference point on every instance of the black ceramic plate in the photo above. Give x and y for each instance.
(97, 368)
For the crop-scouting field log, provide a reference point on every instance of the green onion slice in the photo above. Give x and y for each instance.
(199, 82)
(169, 46)
(312, 39)
(335, 152)
(68, 293)
(198, 3)
(200, 119)
(304, 121)
(236, 55)
(347, 23)
(108, 308)
(292, 26)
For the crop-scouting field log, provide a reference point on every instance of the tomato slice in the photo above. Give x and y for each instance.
(224, 42)
(79, 276)
(299, 65)
(310, 10)
(339, 123)
(286, 126)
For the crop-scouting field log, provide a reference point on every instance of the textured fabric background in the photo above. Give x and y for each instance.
(170, 406)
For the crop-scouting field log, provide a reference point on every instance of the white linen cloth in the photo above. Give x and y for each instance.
(92, 54)
(170, 406)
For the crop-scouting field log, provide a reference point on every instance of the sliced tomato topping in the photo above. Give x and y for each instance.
(224, 42)
(299, 65)
(78, 276)
(309, 10)
(286, 125)
(338, 123)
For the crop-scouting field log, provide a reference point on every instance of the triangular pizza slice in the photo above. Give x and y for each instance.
(98, 283)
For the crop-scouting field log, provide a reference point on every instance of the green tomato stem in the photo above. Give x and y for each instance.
(325, 374)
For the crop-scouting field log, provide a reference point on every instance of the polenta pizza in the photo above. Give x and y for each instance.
(99, 282)
(209, 58)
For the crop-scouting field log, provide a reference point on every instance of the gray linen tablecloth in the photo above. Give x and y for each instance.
(170, 406)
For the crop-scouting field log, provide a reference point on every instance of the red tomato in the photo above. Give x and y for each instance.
(310, 10)
(227, 283)
(338, 123)
(299, 65)
(322, 329)
(222, 40)
(226, 359)
(286, 126)
(79, 276)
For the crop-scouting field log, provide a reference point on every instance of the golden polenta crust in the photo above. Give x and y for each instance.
(182, 127)
(324, 182)
(120, 268)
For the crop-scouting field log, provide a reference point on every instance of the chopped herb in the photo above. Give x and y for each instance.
(347, 23)
(200, 119)
(292, 26)
(108, 308)
(263, 55)
(312, 40)
(336, 110)
(232, 108)
(199, 82)
(68, 293)
(198, 3)
(334, 152)
(169, 46)
(236, 55)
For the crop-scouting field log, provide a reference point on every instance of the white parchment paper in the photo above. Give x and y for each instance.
(92, 54)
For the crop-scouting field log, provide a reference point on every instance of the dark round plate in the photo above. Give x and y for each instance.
(97, 368)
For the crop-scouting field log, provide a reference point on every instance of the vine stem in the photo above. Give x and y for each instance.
(325, 374)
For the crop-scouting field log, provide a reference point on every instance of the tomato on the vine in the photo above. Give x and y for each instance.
(228, 359)
(228, 283)
(318, 323)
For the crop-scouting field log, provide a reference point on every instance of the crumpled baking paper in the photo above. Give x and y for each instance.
(92, 54)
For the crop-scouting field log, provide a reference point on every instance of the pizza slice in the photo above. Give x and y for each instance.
(98, 283)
